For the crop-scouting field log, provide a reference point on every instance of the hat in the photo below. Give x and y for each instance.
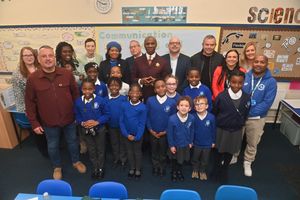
(113, 44)
(90, 65)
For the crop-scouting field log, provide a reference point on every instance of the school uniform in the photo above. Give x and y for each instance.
(199, 90)
(231, 115)
(204, 137)
(116, 139)
(180, 134)
(95, 109)
(132, 122)
(159, 109)
(174, 97)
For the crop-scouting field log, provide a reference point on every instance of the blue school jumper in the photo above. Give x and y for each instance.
(203, 90)
(176, 97)
(158, 114)
(95, 109)
(133, 119)
(114, 106)
(180, 134)
(205, 131)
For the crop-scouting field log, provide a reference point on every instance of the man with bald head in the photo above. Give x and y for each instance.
(263, 88)
(179, 62)
(149, 67)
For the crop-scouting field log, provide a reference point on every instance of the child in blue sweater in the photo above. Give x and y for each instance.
(171, 85)
(132, 124)
(159, 108)
(231, 110)
(204, 138)
(91, 114)
(115, 101)
(91, 70)
(196, 88)
(180, 135)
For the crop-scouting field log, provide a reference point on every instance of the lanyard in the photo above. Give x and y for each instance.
(252, 85)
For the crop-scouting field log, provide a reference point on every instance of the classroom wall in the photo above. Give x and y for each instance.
(28, 12)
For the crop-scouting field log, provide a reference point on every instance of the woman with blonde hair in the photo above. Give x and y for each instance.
(28, 64)
(249, 53)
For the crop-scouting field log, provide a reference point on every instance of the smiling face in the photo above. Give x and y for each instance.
(184, 107)
(209, 46)
(174, 45)
(88, 90)
(115, 71)
(114, 88)
(135, 48)
(171, 85)
(46, 59)
(90, 48)
(259, 65)
(231, 59)
(201, 105)
(250, 52)
(193, 77)
(113, 53)
(134, 94)
(92, 73)
(28, 57)
(236, 83)
(150, 45)
(66, 53)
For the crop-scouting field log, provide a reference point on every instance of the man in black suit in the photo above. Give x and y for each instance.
(135, 50)
(179, 62)
(207, 60)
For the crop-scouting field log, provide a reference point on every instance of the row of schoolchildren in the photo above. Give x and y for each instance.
(171, 133)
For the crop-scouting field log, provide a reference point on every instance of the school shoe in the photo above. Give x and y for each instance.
(101, 173)
(203, 176)
(131, 173)
(137, 174)
(180, 176)
(195, 175)
(57, 173)
(247, 168)
(233, 160)
(80, 167)
(174, 176)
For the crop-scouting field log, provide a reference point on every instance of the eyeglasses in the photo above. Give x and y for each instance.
(171, 84)
(27, 55)
(174, 43)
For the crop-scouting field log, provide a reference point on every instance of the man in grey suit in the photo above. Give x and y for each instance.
(179, 62)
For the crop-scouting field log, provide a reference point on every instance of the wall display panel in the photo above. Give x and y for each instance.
(281, 46)
(13, 39)
(191, 37)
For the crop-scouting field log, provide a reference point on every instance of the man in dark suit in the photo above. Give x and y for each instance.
(207, 60)
(149, 67)
(135, 50)
(179, 62)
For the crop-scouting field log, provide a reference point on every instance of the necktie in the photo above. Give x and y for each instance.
(149, 60)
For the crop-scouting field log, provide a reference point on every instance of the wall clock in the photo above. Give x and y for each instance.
(103, 6)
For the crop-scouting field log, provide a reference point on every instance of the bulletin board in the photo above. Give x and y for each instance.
(281, 46)
(13, 39)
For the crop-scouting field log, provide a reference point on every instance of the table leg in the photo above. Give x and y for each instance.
(276, 116)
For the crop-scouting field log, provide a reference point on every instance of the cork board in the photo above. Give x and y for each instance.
(281, 46)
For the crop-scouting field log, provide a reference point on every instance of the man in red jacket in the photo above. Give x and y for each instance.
(49, 96)
(149, 67)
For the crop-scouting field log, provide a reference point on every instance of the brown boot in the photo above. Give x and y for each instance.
(80, 167)
(57, 175)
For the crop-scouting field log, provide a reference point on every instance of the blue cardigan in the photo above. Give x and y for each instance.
(180, 134)
(97, 110)
(133, 119)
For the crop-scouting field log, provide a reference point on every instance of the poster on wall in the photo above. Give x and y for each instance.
(13, 39)
(191, 37)
(281, 46)
(154, 15)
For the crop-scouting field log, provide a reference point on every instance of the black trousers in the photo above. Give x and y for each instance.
(200, 159)
(134, 153)
(158, 152)
(118, 145)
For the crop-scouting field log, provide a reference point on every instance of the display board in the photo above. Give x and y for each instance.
(281, 46)
(13, 39)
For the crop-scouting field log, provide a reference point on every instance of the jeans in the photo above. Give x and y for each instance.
(53, 139)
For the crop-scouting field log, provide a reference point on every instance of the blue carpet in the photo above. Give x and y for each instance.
(276, 173)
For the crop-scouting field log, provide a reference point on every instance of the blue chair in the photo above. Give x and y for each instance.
(179, 194)
(108, 189)
(235, 192)
(54, 187)
(22, 121)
